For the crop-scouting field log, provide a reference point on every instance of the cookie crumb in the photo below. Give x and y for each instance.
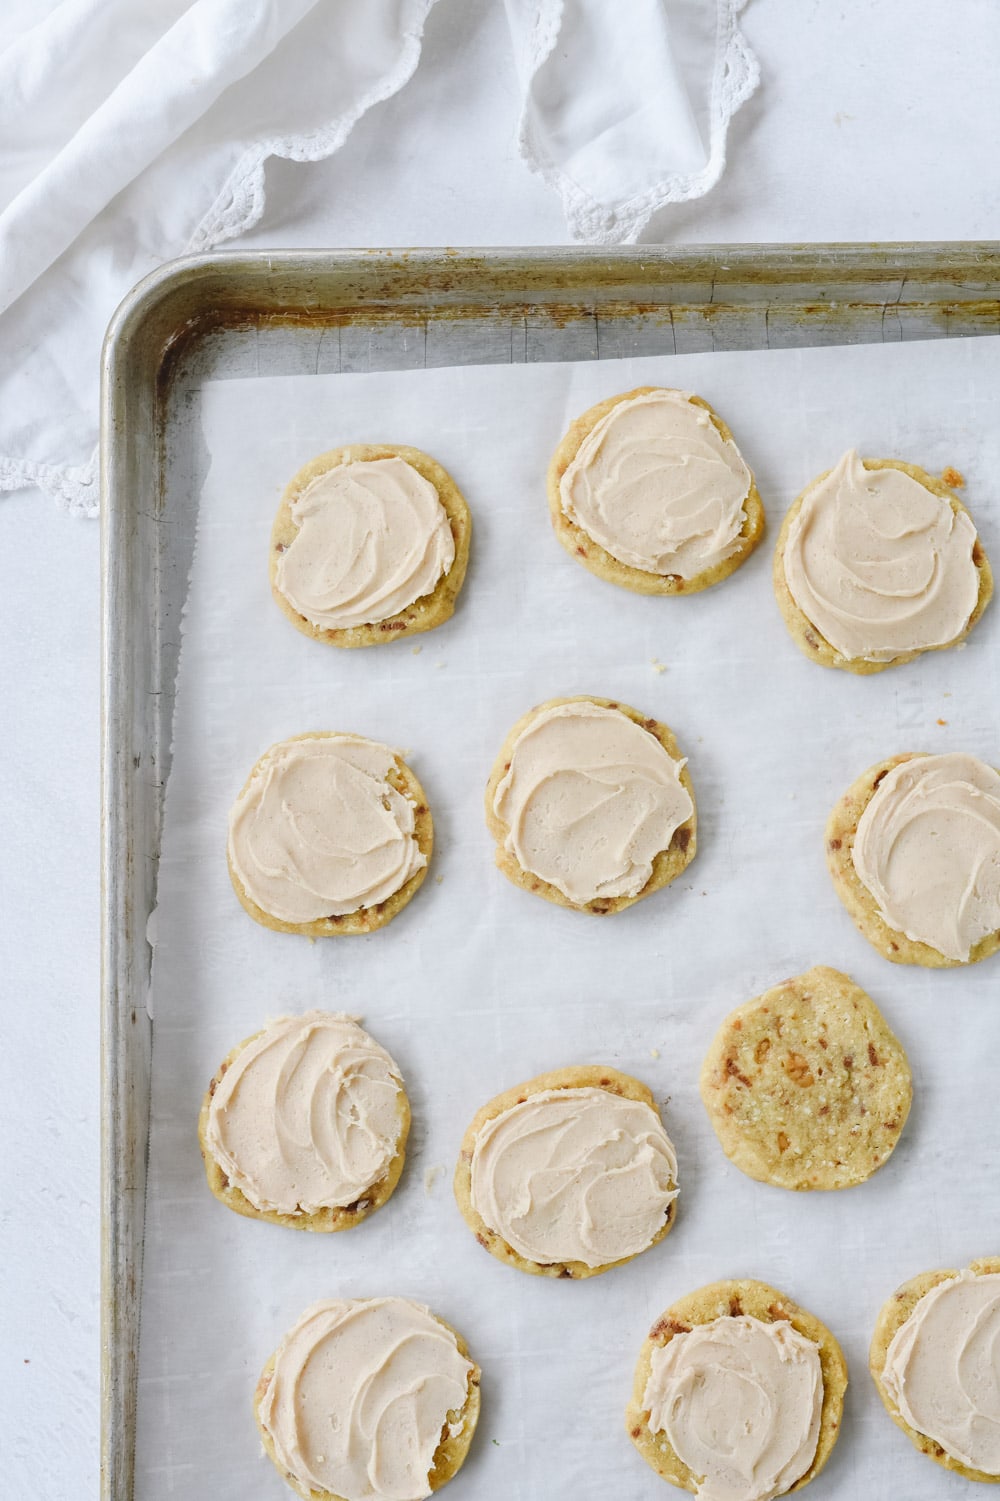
(953, 478)
(439, 665)
(654, 1052)
(430, 1178)
(438, 880)
(657, 665)
(416, 650)
(942, 721)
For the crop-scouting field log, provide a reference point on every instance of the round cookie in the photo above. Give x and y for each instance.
(365, 919)
(735, 1299)
(806, 1086)
(584, 1076)
(328, 1217)
(424, 613)
(891, 1318)
(667, 864)
(808, 637)
(594, 557)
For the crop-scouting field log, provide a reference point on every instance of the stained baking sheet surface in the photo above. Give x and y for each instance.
(478, 985)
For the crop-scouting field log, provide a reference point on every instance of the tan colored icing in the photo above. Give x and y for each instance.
(360, 1395)
(372, 537)
(320, 831)
(942, 1369)
(740, 1403)
(658, 487)
(575, 1175)
(306, 1115)
(589, 800)
(880, 564)
(927, 849)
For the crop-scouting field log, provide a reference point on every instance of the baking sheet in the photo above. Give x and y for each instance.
(477, 985)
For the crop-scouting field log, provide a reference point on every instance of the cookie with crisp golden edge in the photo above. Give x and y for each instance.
(425, 613)
(667, 865)
(892, 1316)
(841, 828)
(583, 1076)
(581, 546)
(806, 1086)
(810, 640)
(733, 1298)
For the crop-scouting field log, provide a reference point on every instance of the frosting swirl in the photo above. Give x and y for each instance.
(319, 830)
(307, 1114)
(590, 798)
(360, 1395)
(879, 563)
(740, 1403)
(927, 849)
(372, 537)
(657, 486)
(575, 1175)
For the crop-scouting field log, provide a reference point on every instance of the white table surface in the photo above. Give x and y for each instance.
(872, 122)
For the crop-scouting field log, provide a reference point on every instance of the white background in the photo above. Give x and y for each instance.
(871, 122)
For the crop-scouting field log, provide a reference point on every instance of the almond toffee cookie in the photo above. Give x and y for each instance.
(806, 1086)
(568, 1174)
(913, 847)
(649, 491)
(331, 834)
(370, 543)
(877, 561)
(935, 1359)
(305, 1124)
(368, 1399)
(591, 805)
(738, 1394)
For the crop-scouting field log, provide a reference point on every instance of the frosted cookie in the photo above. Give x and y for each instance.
(568, 1174)
(913, 847)
(649, 491)
(368, 1399)
(305, 1124)
(331, 834)
(738, 1394)
(877, 561)
(370, 543)
(591, 805)
(806, 1086)
(935, 1359)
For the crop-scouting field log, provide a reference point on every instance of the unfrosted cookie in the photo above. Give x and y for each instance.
(773, 1400)
(931, 1328)
(806, 1086)
(649, 491)
(877, 561)
(368, 1399)
(330, 834)
(597, 1133)
(591, 804)
(305, 1124)
(913, 847)
(370, 543)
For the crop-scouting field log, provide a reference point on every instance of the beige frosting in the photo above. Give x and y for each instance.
(372, 537)
(320, 831)
(306, 1114)
(575, 1175)
(942, 1369)
(360, 1396)
(880, 564)
(589, 800)
(740, 1403)
(927, 848)
(658, 487)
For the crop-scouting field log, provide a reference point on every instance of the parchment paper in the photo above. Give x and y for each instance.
(478, 985)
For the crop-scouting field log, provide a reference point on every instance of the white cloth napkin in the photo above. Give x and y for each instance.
(131, 132)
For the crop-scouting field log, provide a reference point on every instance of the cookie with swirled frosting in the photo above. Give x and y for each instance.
(738, 1393)
(370, 544)
(568, 1174)
(591, 805)
(305, 1124)
(877, 562)
(649, 491)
